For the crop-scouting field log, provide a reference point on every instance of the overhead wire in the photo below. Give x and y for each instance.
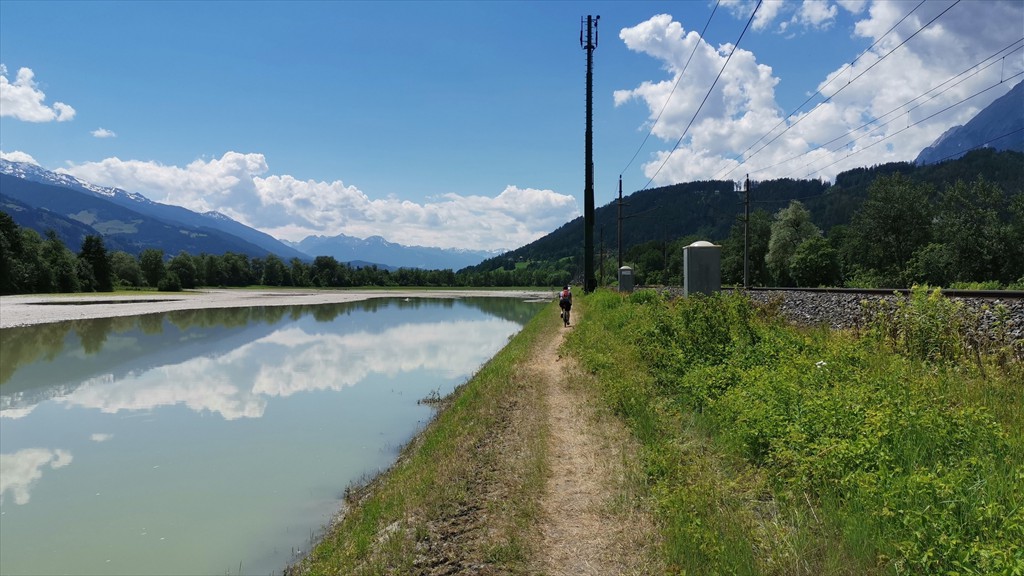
(850, 82)
(706, 96)
(968, 72)
(819, 90)
(673, 91)
(901, 130)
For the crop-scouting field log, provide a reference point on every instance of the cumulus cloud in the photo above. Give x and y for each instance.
(103, 133)
(18, 156)
(23, 468)
(875, 112)
(23, 100)
(240, 186)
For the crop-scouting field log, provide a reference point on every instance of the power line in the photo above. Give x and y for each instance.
(851, 81)
(676, 85)
(1005, 51)
(909, 126)
(818, 92)
(706, 96)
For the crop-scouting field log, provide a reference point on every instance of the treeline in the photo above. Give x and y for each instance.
(30, 263)
(904, 233)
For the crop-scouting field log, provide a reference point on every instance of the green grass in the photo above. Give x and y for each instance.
(773, 450)
(443, 472)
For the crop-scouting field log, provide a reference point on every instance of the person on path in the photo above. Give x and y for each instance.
(565, 303)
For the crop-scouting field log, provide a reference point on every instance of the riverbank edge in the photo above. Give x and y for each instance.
(463, 492)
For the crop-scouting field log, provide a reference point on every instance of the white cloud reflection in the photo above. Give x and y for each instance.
(238, 384)
(20, 470)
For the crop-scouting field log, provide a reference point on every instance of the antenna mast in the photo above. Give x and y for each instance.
(590, 282)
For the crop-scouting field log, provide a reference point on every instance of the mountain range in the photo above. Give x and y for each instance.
(43, 200)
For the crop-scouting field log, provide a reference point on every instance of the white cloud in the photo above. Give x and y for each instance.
(24, 101)
(238, 185)
(816, 14)
(742, 107)
(103, 133)
(23, 468)
(18, 156)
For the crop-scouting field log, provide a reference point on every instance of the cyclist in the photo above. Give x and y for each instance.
(565, 303)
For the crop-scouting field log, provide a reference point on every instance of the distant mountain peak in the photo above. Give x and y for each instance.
(1000, 126)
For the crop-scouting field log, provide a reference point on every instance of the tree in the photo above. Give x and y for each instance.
(12, 268)
(815, 263)
(125, 269)
(184, 268)
(61, 262)
(790, 228)
(274, 272)
(968, 224)
(892, 224)
(151, 261)
(94, 253)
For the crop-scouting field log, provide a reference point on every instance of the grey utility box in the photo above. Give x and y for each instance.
(702, 268)
(625, 279)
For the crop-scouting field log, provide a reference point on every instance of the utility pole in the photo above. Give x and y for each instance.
(746, 233)
(590, 282)
(620, 224)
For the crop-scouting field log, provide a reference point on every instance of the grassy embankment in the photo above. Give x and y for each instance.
(470, 466)
(766, 449)
(775, 450)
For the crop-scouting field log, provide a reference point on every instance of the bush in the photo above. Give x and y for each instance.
(910, 454)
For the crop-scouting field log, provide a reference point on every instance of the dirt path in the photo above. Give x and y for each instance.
(588, 523)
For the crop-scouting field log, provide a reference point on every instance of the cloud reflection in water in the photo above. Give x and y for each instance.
(238, 383)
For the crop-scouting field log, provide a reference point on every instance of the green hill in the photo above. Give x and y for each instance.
(660, 219)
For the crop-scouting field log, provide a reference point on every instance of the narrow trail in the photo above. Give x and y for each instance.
(587, 526)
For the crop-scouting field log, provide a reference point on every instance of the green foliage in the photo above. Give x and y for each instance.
(151, 261)
(906, 446)
(791, 227)
(925, 326)
(184, 268)
(892, 224)
(759, 231)
(815, 263)
(100, 272)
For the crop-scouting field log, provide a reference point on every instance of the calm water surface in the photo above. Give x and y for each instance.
(216, 441)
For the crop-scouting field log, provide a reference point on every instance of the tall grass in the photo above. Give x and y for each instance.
(776, 450)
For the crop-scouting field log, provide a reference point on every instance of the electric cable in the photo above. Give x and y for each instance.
(818, 92)
(909, 126)
(676, 85)
(850, 82)
(706, 96)
(976, 70)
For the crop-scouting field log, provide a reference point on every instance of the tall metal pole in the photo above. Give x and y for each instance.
(746, 233)
(620, 223)
(590, 282)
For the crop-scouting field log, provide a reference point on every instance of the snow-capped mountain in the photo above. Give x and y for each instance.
(42, 199)
(211, 224)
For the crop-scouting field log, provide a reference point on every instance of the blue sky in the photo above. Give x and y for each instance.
(461, 124)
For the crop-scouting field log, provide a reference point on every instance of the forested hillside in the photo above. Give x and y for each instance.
(954, 222)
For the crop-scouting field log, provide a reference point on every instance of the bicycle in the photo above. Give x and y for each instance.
(565, 316)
